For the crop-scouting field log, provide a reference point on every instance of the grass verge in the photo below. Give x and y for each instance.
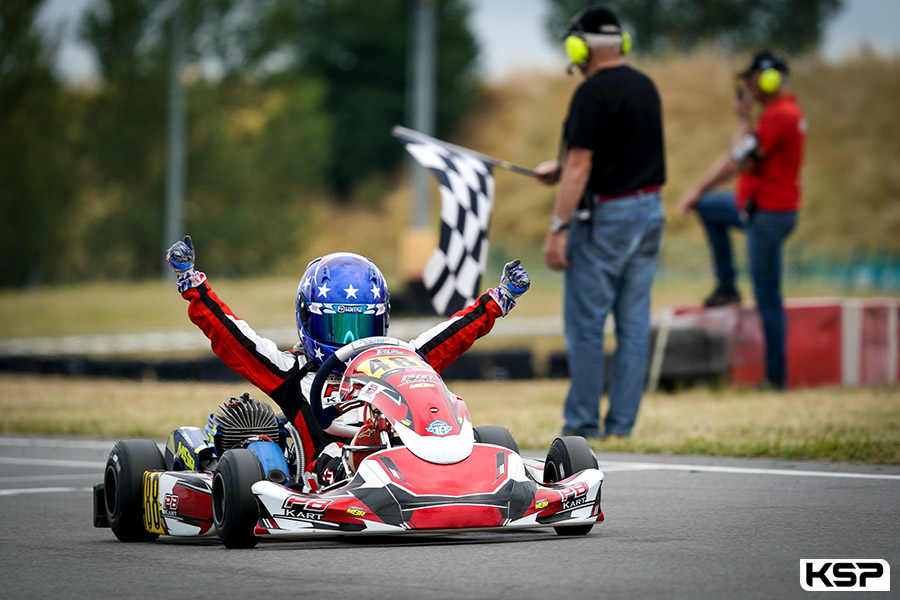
(830, 424)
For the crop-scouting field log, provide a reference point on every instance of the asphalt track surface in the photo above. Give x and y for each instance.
(676, 527)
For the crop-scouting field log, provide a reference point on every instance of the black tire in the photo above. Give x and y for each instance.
(235, 511)
(123, 487)
(494, 434)
(567, 456)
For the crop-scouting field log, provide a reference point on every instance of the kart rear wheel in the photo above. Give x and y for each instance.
(494, 434)
(567, 456)
(235, 511)
(123, 487)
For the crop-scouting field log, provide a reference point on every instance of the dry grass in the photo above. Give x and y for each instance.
(99, 308)
(823, 424)
(820, 424)
(106, 407)
(109, 308)
(853, 139)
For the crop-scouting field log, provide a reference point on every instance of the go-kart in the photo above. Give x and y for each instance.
(415, 464)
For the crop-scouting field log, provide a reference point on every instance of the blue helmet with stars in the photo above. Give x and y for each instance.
(342, 297)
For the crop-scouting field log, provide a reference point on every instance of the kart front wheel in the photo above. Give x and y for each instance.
(569, 455)
(123, 487)
(235, 511)
(494, 434)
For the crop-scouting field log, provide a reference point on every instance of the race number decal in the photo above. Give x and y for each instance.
(152, 516)
(382, 364)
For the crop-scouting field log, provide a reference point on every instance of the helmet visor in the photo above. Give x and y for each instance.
(341, 324)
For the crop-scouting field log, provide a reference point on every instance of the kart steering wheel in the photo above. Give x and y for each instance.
(325, 416)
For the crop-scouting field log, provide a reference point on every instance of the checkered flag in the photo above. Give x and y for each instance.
(453, 273)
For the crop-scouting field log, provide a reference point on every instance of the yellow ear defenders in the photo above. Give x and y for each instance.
(626, 42)
(771, 72)
(769, 81)
(578, 50)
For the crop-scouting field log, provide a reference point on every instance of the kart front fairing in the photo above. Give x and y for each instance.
(438, 479)
(395, 491)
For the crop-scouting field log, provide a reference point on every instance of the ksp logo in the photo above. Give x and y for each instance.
(845, 575)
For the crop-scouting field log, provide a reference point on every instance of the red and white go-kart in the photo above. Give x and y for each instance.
(417, 464)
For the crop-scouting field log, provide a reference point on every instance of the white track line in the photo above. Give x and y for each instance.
(52, 462)
(50, 442)
(45, 490)
(56, 478)
(610, 466)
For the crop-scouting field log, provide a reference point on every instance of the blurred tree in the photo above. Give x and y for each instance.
(288, 101)
(360, 50)
(251, 144)
(305, 97)
(257, 164)
(124, 147)
(37, 188)
(794, 26)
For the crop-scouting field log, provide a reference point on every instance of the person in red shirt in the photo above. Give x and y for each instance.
(766, 157)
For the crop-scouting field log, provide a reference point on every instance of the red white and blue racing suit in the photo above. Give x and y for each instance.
(286, 375)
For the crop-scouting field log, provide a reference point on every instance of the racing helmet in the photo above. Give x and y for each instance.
(342, 297)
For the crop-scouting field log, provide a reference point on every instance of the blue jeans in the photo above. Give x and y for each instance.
(612, 261)
(766, 233)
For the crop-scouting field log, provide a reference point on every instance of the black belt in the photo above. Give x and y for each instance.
(650, 189)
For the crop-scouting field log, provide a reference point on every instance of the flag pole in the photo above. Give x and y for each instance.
(412, 135)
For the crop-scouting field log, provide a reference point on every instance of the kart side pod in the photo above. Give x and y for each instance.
(140, 500)
(172, 503)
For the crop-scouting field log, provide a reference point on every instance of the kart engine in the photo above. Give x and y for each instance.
(239, 419)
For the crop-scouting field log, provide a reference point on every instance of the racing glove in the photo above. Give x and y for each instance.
(514, 281)
(180, 257)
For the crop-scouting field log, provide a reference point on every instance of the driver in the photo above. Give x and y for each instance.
(341, 297)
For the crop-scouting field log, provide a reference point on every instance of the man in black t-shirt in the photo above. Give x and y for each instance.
(606, 225)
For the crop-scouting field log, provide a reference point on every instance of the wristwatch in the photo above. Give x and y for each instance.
(557, 224)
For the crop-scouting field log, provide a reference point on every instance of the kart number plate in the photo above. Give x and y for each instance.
(152, 516)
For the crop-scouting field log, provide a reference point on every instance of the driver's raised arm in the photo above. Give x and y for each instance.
(444, 343)
(253, 357)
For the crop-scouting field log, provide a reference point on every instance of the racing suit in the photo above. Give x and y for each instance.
(287, 376)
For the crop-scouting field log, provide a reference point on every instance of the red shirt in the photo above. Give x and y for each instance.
(775, 180)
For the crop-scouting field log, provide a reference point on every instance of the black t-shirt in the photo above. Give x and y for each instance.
(617, 114)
